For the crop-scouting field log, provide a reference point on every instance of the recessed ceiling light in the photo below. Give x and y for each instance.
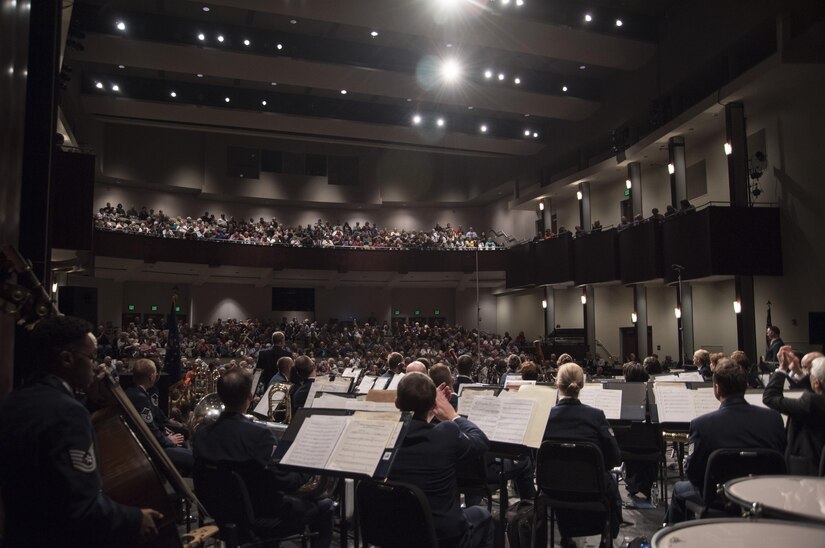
(246, 42)
(500, 76)
(619, 22)
(343, 92)
(172, 94)
(121, 25)
(293, 21)
(199, 75)
(220, 38)
(449, 45)
(535, 135)
(564, 88)
(226, 99)
(374, 33)
(519, 3)
(279, 46)
(98, 85)
(488, 73)
(115, 87)
(527, 133)
(121, 66)
(206, 8)
(440, 122)
(505, 2)
(409, 100)
(582, 67)
(517, 80)
(450, 70)
(416, 119)
(526, 115)
(263, 103)
(588, 18)
(273, 84)
(201, 36)
(483, 128)
(470, 107)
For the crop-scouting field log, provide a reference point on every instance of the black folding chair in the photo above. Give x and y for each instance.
(223, 492)
(471, 478)
(643, 442)
(570, 475)
(394, 515)
(729, 464)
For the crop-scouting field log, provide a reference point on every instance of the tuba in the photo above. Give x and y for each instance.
(207, 411)
(280, 403)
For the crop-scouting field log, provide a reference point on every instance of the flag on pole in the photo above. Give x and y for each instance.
(172, 360)
(768, 323)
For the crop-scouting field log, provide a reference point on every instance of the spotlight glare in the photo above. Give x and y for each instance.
(226, 99)
(671, 169)
(115, 87)
(505, 2)
(416, 120)
(440, 122)
(121, 25)
(220, 38)
(535, 135)
(488, 74)
(374, 33)
(246, 42)
(293, 21)
(450, 70)
(527, 133)
(500, 76)
(206, 8)
(588, 18)
(99, 85)
(564, 88)
(579, 195)
(628, 184)
(343, 92)
(517, 80)
(519, 3)
(677, 312)
(173, 94)
(483, 128)
(728, 149)
(201, 36)
(619, 22)
(263, 103)
(280, 46)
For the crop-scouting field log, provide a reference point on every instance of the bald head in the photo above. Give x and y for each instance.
(808, 359)
(416, 367)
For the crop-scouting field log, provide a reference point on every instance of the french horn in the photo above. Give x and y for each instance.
(206, 412)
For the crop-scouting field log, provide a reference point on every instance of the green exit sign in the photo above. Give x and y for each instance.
(417, 312)
(154, 308)
(397, 312)
(177, 309)
(627, 192)
(438, 312)
(131, 307)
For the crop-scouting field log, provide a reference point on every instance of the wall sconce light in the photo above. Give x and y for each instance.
(584, 296)
(671, 168)
(728, 149)
(579, 195)
(54, 287)
(544, 303)
(633, 317)
(541, 205)
(737, 306)
(628, 183)
(677, 312)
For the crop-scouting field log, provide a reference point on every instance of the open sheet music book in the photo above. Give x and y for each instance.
(519, 419)
(336, 401)
(393, 385)
(469, 392)
(366, 384)
(609, 401)
(678, 404)
(340, 385)
(353, 444)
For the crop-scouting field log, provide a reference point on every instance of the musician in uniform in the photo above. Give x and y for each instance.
(141, 395)
(49, 476)
(236, 440)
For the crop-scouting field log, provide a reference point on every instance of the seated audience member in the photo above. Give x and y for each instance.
(465, 369)
(571, 420)
(685, 206)
(235, 440)
(428, 456)
(303, 375)
(736, 424)
(145, 375)
(652, 365)
(285, 365)
(513, 365)
(639, 475)
(655, 215)
(669, 211)
(806, 414)
(597, 226)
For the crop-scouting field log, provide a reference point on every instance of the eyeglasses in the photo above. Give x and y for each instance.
(90, 357)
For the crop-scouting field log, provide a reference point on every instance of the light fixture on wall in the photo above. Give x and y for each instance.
(677, 312)
(541, 205)
(54, 287)
(671, 168)
(584, 296)
(628, 183)
(579, 195)
(544, 303)
(633, 317)
(728, 149)
(737, 306)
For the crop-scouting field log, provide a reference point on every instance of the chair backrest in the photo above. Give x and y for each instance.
(471, 472)
(822, 463)
(223, 493)
(570, 471)
(640, 438)
(394, 514)
(729, 464)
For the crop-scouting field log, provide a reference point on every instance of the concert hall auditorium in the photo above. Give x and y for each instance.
(412, 273)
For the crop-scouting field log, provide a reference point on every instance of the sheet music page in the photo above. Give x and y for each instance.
(691, 376)
(395, 380)
(366, 384)
(350, 372)
(468, 396)
(323, 384)
(485, 414)
(610, 401)
(315, 441)
(513, 420)
(704, 401)
(588, 393)
(363, 443)
(543, 398)
(754, 398)
(381, 383)
(466, 385)
(330, 401)
(666, 378)
(675, 403)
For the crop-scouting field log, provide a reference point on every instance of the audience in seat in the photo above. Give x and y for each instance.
(736, 424)
(236, 441)
(806, 415)
(428, 456)
(571, 420)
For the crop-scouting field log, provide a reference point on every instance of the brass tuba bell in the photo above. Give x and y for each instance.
(280, 403)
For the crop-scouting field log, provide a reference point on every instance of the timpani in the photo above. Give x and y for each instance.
(739, 533)
(797, 498)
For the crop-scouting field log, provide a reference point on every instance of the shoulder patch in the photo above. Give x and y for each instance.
(154, 398)
(83, 461)
(146, 413)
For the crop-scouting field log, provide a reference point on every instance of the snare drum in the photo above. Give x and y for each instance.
(796, 498)
(734, 532)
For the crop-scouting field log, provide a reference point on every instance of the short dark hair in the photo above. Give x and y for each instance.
(425, 361)
(416, 393)
(730, 378)
(529, 371)
(440, 373)
(652, 365)
(465, 364)
(285, 363)
(304, 366)
(636, 372)
(774, 329)
(394, 361)
(234, 387)
(513, 362)
(740, 358)
(52, 335)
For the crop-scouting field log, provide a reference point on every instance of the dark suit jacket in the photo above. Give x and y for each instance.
(806, 425)
(459, 380)
(236, 440)
(268, 361)
(298, 394)
(570, 419)
(427, 459)
(736, 424)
